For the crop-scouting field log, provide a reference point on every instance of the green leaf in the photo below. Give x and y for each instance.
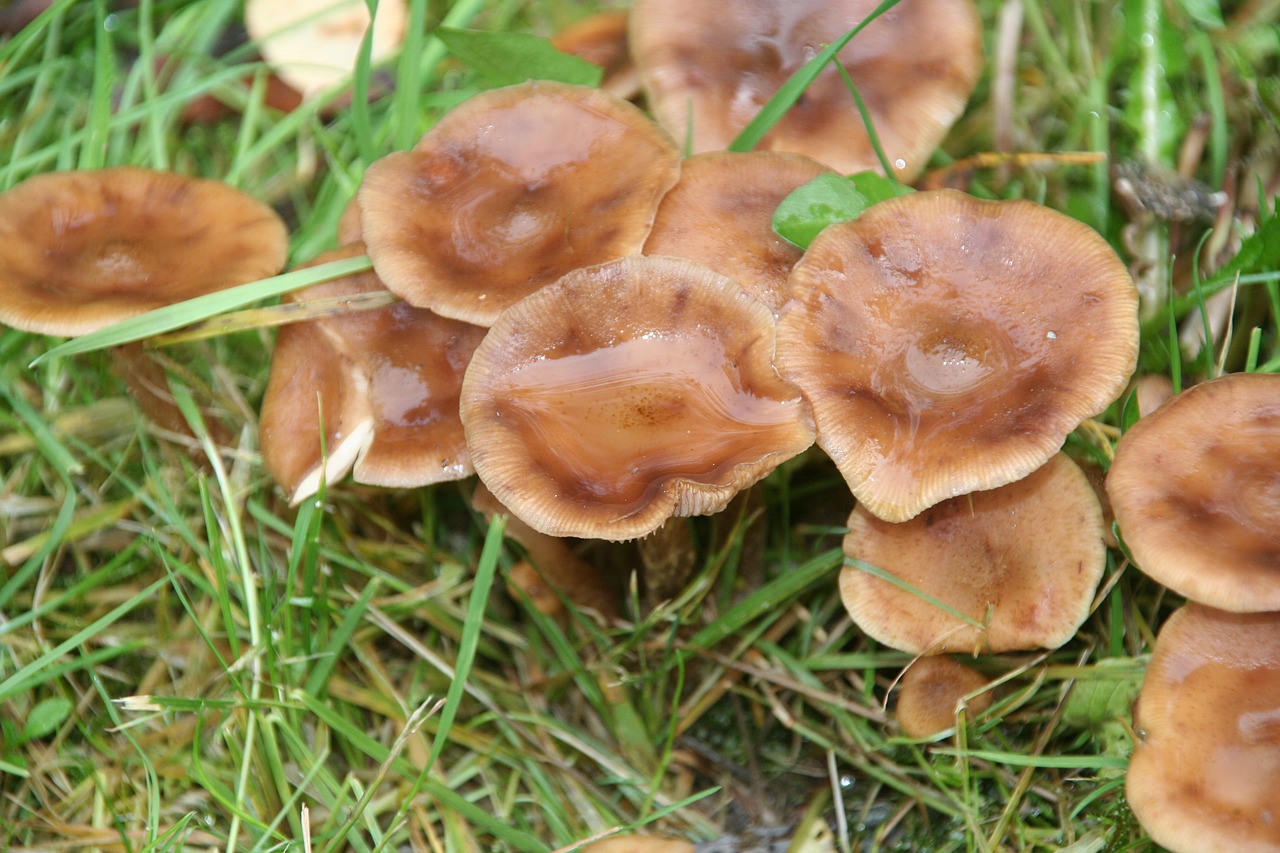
(809, 208)
(503, 59)
(1105, 693)
(45, 718)
(876, 187)
(830, 198)
(1260, 251)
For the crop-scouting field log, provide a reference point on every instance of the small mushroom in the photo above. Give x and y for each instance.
(511, 190)
(720, 214)
(1023, 561)
(708, 67)
(81, 250)
(1195, 487)
(931, 692)
(397, 367)
(1205, 773)
(949, 345)
(627, 393)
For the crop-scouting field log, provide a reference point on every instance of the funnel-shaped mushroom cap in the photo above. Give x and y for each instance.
(949, 345)
(511, 190)
(1205, 774)
(720, 214)
(930, 694)
(409, 365)
(708, 68)
(314, 44)
(626, 393)
(1024, 560)
(82, 250)
(1196, 490)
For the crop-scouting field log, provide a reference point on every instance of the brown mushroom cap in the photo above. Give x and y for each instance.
(930, 694)
(81, 250)
(314, 44)
(626, 393)
(409, 365)
(720, 214)
(1205, 773)
(1024, 560)
(1195, 486)
(949, 344)
(511, 190)
(707, 69)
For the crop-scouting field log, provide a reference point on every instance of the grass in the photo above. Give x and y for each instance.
(188, 663)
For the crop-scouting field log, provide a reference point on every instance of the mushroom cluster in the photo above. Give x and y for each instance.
(1195, 487)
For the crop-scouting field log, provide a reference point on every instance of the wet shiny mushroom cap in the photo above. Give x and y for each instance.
(314, 44)
(511, 190)
(1023, 560)
(1205, 772)
(931, 691)
(627, 393)
(408, 365)
(707, 69)
(81, 250)
(949, 344)
(1195, 486)
(720, 214)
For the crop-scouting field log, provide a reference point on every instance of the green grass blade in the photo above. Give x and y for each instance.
(172, 317)
(791, 90)
(485, 572)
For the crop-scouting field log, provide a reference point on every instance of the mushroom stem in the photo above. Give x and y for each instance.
(669, 558)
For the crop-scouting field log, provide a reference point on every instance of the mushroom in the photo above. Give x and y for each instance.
(1205, 772)
(397, 369)
(1017, 567)
(707, 68)
(627, 393)
(313, 45)
(81, 250)
(720, 214)
(932, 692)
(1195, 487)
(511, 190)
(949, 345)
